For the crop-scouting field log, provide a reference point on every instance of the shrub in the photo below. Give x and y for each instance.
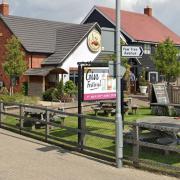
(4, 91)
(25, 88)
(60, 89)
(48, 94)
(18, 98)
(55, 95)
(142, 80)
(70, 88)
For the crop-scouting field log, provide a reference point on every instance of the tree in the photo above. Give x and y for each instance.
(166, 60)
(15, 64)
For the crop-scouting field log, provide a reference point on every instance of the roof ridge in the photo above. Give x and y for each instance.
(157, 31)
(36, 19)
(77, 25)
(133, 12)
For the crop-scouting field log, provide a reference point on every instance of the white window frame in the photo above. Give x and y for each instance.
(147, 48)
(153, 72)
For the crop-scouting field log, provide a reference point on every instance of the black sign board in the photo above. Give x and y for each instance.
(159, 94)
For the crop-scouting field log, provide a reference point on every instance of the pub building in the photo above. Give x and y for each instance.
(52, 49)
(137, 29)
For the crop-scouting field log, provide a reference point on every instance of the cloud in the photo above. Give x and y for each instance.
(167, 11)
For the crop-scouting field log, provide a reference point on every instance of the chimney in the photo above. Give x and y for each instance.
(4, 8)
(148, 11)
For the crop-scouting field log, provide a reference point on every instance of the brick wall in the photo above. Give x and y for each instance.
(35, 60)
(5, 34)
(32, 60)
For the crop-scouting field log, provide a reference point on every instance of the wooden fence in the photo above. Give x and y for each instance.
(174, 94)
(97, 136)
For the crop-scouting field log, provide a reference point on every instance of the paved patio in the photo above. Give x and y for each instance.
(23, 158)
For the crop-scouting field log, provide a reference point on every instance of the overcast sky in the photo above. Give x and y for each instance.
(167, 11)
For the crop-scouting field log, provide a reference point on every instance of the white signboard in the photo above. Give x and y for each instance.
(98, 84)
(132, 51)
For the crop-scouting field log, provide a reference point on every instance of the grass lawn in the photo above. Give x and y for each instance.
(105, 128)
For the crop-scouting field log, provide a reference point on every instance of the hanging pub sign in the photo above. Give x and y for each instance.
(94, 41)
(98, 84)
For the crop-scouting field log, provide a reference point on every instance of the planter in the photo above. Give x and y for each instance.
(143, 89)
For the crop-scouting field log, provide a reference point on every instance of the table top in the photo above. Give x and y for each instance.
(34, 111)
(113, 101)
(163, 123)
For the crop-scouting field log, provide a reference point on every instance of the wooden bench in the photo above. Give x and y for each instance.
(108, 110)
(96, 109)
(61, 117)
(134, 109)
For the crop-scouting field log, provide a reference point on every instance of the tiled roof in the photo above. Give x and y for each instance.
(67, 38)
(38, 71)
(57, 39)
(141, 27)
(36, 35)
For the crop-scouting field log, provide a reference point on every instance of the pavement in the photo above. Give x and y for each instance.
(22, 158)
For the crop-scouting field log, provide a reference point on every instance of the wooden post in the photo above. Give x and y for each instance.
(43, 84)
(136, 146)
(1, 115)
(80, 119)
(47, 125)
(21, 114)
(82, 133)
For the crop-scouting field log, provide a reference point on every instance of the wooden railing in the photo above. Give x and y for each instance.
(174, 94)
(98, 136)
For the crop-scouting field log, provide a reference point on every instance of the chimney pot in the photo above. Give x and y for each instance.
(148, 11)
(4, 8)
(4, 1)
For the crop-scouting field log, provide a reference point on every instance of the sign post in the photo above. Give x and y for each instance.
(132, 51)
(119, 123)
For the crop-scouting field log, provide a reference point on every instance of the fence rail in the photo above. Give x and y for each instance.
(97, 136)
(63, 134)
(174, 94)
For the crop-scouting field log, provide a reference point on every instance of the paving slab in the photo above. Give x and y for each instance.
(23, 158)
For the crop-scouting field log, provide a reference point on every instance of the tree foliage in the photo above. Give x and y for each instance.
(70, 88)
(166, 60)
(15, 64)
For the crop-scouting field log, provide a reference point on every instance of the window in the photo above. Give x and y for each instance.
(153, 77)
(147, 49)
(74, 77)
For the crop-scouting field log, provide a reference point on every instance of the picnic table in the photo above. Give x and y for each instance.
(40, 114)
(166, 130)
(37, 114)
(109, 106)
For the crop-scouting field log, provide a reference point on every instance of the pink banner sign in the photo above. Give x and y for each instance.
(98, 84)
(99, 96)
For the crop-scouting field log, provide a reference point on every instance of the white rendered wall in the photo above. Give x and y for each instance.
(81, 54)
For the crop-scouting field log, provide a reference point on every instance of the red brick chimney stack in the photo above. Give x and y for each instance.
(4, 8)
(148, 11)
